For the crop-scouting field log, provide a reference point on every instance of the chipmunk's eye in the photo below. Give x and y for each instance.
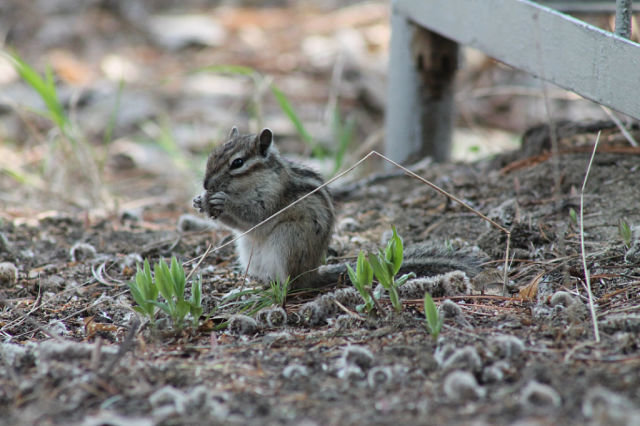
(237, 163)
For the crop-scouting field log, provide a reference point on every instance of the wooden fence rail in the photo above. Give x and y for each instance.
(596, 64)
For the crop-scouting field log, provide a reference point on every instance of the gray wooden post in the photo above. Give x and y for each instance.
(572, 54)
(623, 18)
(419, 115)
(563, 50)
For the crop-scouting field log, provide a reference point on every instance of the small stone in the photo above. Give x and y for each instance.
(8, 274)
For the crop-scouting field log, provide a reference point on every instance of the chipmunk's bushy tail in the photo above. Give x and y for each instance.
(425, 260)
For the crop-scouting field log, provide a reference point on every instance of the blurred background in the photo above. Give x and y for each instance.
(114, 104)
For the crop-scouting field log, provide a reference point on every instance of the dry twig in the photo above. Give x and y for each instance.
(587, 279)
(408, 172)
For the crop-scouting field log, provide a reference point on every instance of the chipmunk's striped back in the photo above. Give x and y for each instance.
(246, 182)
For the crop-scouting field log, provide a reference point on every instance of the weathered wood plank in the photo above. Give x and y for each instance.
(403, 130)
(565, 51)
(584, 6)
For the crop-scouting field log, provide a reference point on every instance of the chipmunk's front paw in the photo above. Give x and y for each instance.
(216, 204)
(197, 203)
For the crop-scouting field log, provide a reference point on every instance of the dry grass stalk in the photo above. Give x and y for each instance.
(592, 308)
(408, 172)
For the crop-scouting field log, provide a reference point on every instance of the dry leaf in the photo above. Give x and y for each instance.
(530, 291)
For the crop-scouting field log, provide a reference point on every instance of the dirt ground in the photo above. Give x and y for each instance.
(74, 351)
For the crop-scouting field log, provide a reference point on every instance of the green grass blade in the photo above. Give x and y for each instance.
(352, 276)
(380, 270)
(165, 308)
(434, 323)
(164, 282)
(291, 114)
(15, 175)
(344, 132)
(227, 69)
(178, 278)
(136, 294)
(152, 289)
(111, 124)
(46, 88)
(196, 293)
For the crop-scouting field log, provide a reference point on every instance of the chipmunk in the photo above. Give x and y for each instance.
(247, 181)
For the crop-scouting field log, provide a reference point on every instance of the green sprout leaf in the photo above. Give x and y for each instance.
(170, 283)
(380, 269)
(386, 265)
(139, 298)
(151, 290)
(403, 279)
(362, 278)
(624, 230)
(178, 278)
(290, 112)
(278, 291)
(143, 290)
(45, 87)
(343, 132)
(353, 276)
(394, 252)
(164, 281)
(433, 319)
(573, 216)
(164, 307)
(365, 271)
(195, 301)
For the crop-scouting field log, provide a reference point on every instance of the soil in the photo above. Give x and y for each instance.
(517, 352)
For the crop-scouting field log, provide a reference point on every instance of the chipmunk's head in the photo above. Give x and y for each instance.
(241, 162)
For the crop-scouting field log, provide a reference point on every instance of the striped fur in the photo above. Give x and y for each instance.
(291, 244)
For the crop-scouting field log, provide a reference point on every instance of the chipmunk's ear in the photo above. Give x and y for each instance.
(264, 141)
(234, 133)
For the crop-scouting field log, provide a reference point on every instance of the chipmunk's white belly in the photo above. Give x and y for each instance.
(263, 257)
